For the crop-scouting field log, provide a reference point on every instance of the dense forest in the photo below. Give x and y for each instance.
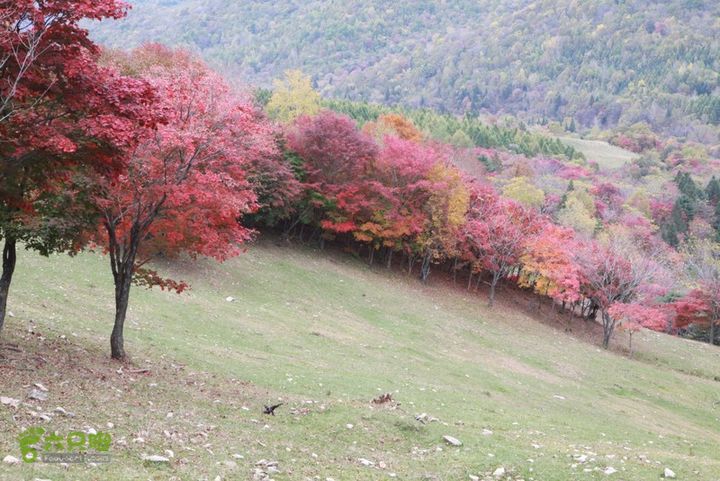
(602, 63)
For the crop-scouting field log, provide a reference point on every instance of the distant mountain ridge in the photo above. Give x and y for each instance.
(602, 62)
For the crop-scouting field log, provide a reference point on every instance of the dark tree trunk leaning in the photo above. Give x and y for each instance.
(9, 258)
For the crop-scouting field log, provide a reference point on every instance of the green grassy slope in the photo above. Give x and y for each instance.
(608, 157)
(327, 335)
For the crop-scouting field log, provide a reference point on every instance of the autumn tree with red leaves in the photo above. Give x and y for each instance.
(60, 114)
(185, 187)
(613, 275)
(403, 167)
(337, 163)
(634, 317)
(548, 265)
(701, 306)
(41, 45)
(494, 236)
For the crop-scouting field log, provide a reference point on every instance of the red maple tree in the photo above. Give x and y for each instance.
(185, 187)
(60, 114)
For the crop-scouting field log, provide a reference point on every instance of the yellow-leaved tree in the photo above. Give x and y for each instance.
(447, 207)
(521, 190)
(579, 213)
(292, 97)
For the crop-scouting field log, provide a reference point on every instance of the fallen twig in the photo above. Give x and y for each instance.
(138, 371)
(11, 348)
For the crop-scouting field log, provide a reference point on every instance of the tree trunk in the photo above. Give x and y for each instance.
(631, 346)
(122, 263)
(9, 259)
(425, 268)
(372, 255)
(470, 280)
(389, 258)
(455, 269)
(712, 329)
(122, 297)
(608, 327)
(493, 283)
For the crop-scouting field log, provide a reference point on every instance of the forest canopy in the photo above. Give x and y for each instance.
(602, 63)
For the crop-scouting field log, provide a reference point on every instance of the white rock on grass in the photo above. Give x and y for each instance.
(11, 460)
(486, 432)
(38, 395)
(669, 474)
(474, 478)
(452, 441)
(8, 401)
(499, 472)
(366, 462)
(155, 458)
(610, 470)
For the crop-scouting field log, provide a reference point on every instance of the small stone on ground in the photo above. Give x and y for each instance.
(452, 441)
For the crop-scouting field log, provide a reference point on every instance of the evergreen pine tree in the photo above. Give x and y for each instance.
(570, 188)
(712, 191)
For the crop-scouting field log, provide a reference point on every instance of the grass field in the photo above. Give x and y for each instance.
(608, 157)
(326, 334)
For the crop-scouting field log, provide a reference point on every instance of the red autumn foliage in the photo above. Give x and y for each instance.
(694, 308)
(61, 115)
(185, 187)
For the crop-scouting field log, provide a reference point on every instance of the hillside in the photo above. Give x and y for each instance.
(603, 62)
(607, 156)
(326, 334)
